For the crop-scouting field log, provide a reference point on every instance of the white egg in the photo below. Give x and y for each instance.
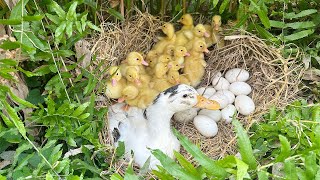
(216, 77)
(244, 105)
(185, 116)
(221, 84)
(240, 88)
(206, 91)
(229, 95)
(237, 74)
(206, 126)
(228, 112)
(221, 99)
(213, 114)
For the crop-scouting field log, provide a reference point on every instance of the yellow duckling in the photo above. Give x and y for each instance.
(187, 21)
(194, 66)
(133, 59)
(152, 60)
(146, 97)
(185, 34)
(129, 94)
(175, 66)
(160, 84)
(199, 33)
(169, 50)
(137, 79)
(167, 29)
(175, 78)
(214, 30)
(179, 53)
(161, 69)
(116, 84)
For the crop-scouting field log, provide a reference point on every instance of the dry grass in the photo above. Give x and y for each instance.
(273, 78)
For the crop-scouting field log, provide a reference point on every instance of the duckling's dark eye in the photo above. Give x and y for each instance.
(181, 50)
(137, 59)
(117, 73)
(181, 18)
(185, 95)
(201, 46)
(199, 31)
(130, 76)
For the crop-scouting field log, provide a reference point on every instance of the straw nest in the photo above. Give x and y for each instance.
(273, 78)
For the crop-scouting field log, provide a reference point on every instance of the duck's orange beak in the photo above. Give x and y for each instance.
(121, 99)
(206, 50)
(138, 82)
(114, 82)
(143, 62)
(205, 103)
(187, 54)
(206, 34)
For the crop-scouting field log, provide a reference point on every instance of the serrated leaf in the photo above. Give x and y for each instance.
(56, 8)
(6, 120)
(285, 149)
(301, 14)
(277, 24)
(185, 163)
(9, 62)
(162, 174)
(69, 29)
(94, 27)
(290, 170)
(298, 35)
(223, 6)
(315, 114)
(10, 21)
(33, 18)
(301, 25)
(60, 30)
(171, 166)
(71, 15)
(244, 145)
(49, 176)
(242, 169)
(311, 165)
(200, 157)
(80, 109)
(54, 18)
(115, 13)
(15, 119)
(78, 26)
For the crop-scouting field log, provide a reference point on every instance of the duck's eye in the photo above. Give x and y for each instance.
(117, 73)
(130, 76)
(181, 50)
(185, 95)
(199, 31)
(137, 59)
(177, 65)
(201, 46)
(181, 18)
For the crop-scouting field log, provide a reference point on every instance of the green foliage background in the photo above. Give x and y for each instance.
(67, 119)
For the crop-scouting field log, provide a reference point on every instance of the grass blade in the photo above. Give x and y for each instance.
(298, 35)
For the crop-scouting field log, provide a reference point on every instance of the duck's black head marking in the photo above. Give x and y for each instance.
(172, 90)
(115, 134)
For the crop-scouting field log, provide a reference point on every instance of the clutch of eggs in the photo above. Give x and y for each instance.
(231, 92)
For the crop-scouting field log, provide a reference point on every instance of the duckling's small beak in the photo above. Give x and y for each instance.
(206, 34)
(206, 50)
(205, 103)
(216, 27)
(177, 81)
(121, 99)
(144, 63)
(169, 66)
(187, 54)
(138, 82)
(114, 82)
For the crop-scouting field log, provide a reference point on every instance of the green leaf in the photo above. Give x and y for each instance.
(285, 149)
(94, 27)
(162, 174)
(266, 34)
(277, 24)
(71, 15)
(3, 177)
(298, 35)
(263, 16)
(54, 18)
(116, 176)
(263, 175)
(18, 10)
(33, 18)
(215, 3)
(242, 20)
(80, 109)
(311, 165)
(69, 29)
(301, 25)
(242, 169)
(301, 14)
(56, 8)
(200, 157)
(244, 145)
(315, 114)
(8, 45)
(49, 176)
(9, 62)
(10, 21)
(186, 164)
(15, 119)
(120, 150)
(6, 120)
(129, 175)
(78, 26)
(223, 6)
(172, 167)
(60, 30)
(290, 170)
(115, 13)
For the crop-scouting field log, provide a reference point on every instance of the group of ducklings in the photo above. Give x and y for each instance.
(176, 58)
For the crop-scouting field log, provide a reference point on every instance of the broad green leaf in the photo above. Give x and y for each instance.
(17, 99)
(15, 119)
(116, 176)
(318, 174)
(71, 142)
(298, 35)
(162, 174)
(9, 62)
(285, 149)
(244, 145)
(301, 25)
(69, 29)
(120, 150)
(263, 175)
(71, 15)
(200, 157)
(130, 175)
(8, 45)
(49, 176)
(94, 27)
(311, 165)
(115, 13)
(242, 169)
(18, 10)
(56, 8)
(223, 6)
(301, 14)
(60, 30)
(301, 174)
(54, 18)
(273, 113)
(277, 24)
(215, 3)
(78, 26)
(51, 106)
(80, 109)
(266, 34)
(185, 163)
(290, 170)
(6, 120)
(242, 20)
(263, 16)
(3, 177)
(10, 21)
(315, 113)
(77, 163)
(84, 116)
(43, 46)
(172, 167)
(22, 147)
(33, 18)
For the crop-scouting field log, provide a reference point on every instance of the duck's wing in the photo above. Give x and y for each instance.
(124, 124)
